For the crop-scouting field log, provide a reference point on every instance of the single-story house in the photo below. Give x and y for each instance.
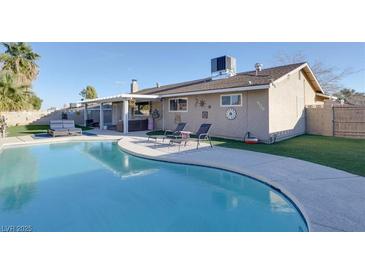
(264, 102)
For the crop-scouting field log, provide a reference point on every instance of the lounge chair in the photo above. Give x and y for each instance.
(168, 133)
(56, 128)
(70, 126)
(63, 128)
(200, 135)
(89, 122)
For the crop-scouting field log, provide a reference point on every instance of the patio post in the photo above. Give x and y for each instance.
(125, 116)
(85, 115)
(101, 119)
(163, 114)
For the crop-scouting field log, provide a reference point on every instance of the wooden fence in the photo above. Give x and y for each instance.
(349, 121)
(342, 121)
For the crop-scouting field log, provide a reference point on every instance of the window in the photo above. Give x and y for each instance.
(141, 108)
(178, 105)
(231, 100)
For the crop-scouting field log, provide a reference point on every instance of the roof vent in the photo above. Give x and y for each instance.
(223, 67)
(258, 68)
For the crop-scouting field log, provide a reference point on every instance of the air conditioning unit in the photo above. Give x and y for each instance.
(223, 67)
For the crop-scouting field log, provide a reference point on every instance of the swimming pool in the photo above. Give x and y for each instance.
(94, 186)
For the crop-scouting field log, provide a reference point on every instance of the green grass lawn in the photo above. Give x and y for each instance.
(31, 129)
(341, 153)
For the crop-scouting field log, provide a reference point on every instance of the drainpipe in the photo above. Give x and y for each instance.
(163, 114)
(247, 128)
(333, 121)
(125, 116)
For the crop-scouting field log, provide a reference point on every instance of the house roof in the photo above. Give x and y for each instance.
(241, 81)
(247, 79)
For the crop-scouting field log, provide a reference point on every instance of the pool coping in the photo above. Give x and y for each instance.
(28, 140)
(138, 150)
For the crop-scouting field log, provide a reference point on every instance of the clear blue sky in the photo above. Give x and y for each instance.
(66, 68)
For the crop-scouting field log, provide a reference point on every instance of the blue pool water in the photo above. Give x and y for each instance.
(94, 186)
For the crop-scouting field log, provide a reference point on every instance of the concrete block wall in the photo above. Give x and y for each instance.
(44, 117)
(23, 117)
(41, 117)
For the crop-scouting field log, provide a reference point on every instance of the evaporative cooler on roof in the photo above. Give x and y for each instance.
(223, 66)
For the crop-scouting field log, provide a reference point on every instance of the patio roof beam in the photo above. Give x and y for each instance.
(125, 116)
(85, 115)
(120, 98)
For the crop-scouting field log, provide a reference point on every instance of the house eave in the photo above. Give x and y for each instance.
(325, 96)
(213, 91)
(309, 73)
(142, 97)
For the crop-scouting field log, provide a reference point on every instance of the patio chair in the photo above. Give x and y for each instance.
(56, 128)
(90, 122)
(168, 133)
(70, 126)
(200, 135)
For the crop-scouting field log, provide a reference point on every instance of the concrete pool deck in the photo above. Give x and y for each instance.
(330, 199)
(93, 135)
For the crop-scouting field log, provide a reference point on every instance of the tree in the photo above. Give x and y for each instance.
(345, 93)
(18, 68)
(35, 101)
(13, 97)
(20, 60)
(351, 96)
(329, 77)
(89, 93)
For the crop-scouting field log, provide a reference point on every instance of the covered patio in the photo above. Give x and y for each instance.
(130, 112)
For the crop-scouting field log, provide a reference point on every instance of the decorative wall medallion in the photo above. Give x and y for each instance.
(205, 114)
(132, 102)
(231, 114)
(155, 114)
(200, 102)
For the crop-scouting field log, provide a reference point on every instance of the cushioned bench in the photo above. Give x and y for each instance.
(63, 128)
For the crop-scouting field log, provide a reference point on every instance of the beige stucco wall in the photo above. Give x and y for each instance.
(287, 101)
(258, 113)
(251, 116)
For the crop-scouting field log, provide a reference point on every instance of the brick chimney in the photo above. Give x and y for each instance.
(134, 86)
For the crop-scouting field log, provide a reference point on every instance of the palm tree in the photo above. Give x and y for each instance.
(13, 97)
(20, 60)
